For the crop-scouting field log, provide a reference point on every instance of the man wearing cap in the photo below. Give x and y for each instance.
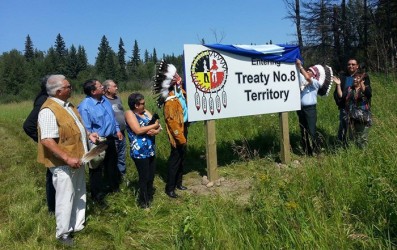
(308, 113)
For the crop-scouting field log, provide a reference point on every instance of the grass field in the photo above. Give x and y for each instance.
(340, 199)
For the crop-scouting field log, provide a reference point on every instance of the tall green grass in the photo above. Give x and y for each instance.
(340, 199)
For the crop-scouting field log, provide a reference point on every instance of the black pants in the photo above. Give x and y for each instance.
(106, 177)
(146, 170)
(176, 162)
(307, 124)
(50, 192)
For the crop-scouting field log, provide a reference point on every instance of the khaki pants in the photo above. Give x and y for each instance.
(70, 199)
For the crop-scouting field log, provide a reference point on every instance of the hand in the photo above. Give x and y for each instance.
(151, 132)
(336, 80)
(93, 137)
(73, 162)
(298, 63)
(120, 135)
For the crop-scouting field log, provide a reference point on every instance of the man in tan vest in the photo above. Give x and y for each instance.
(62, 143)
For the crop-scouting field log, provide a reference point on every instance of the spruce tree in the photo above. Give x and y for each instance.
(146, 56)
(72, 63)
(82, 58)
(110, 65)
(122, 71)
(60, 46)
(103, 50)
(154, 56)
(61, 55)
(29, 52)
(136, 57)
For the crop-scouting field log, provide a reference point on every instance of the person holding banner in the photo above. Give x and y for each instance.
(168, 84)
(308, 113)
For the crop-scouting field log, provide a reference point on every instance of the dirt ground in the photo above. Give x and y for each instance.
(237, 189)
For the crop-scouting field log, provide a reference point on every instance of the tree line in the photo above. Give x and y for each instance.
(327, 31)
(20, 72)
(332, 31)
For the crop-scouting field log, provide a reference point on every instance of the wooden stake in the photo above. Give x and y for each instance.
(285, 153)
(212, 161)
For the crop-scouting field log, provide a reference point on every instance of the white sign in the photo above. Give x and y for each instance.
(222, 85)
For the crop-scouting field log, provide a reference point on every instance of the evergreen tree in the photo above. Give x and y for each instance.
(110, 65)
(13, 74)
(154, 56)
(61, 55)
(122, 71)
(82, 58)
(135, 61)
(146, 56)
(29, 53)
(60, 47)
(136, 57)
(72, 63)
(51, 62)
(103, 51)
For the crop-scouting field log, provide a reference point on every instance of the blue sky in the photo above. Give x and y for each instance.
(164, 25)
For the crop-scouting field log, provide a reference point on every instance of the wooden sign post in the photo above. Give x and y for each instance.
(285, 154)
(212, 160)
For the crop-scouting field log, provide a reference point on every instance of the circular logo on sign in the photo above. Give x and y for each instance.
(209, 71)
(209, 75)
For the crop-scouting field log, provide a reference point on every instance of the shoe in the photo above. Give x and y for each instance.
(144, 205)
(171, 194)
(66, 240)
(181, 187)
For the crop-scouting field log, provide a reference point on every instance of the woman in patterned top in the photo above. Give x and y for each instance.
(141, 134)
(358, 108)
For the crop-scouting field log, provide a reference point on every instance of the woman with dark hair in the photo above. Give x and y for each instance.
(357, 105)
(141, 130)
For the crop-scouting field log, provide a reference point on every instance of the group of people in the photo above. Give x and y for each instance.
(65, 133)
(352, 95)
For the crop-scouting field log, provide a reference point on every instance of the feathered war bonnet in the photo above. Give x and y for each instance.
(165, 77)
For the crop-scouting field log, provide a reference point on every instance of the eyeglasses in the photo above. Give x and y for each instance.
(67, 87)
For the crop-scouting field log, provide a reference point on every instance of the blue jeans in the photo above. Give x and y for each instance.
(121, 151)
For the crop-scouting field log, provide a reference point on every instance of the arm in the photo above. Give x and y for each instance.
(338, 89)
(30, 124)
(85, 116)
(366, 87)
(133, 123)
(303, 71)
(175, 126)
(53, 147)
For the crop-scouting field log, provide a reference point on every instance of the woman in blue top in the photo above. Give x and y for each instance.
(142, 145)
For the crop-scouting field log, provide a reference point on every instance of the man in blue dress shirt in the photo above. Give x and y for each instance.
(98, 116)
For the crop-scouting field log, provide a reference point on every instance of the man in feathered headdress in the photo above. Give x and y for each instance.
(168, 84)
